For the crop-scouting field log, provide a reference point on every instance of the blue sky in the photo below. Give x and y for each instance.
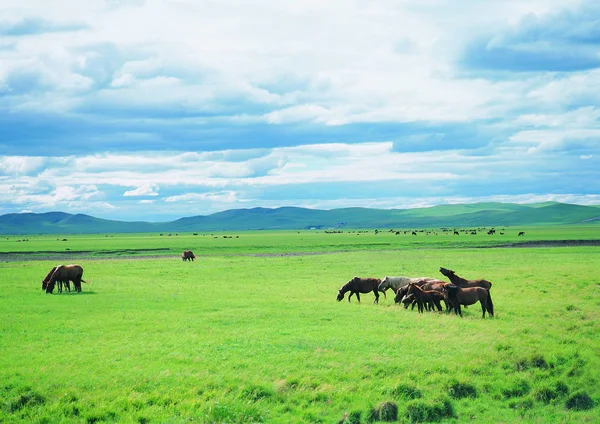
(158, 109)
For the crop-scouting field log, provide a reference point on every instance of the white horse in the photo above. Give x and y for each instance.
(395, 283)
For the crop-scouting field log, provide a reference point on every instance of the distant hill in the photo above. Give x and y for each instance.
(293, 218)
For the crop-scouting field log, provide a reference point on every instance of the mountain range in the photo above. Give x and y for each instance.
(294, 218)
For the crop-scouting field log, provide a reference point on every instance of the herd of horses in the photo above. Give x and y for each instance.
(425, 292)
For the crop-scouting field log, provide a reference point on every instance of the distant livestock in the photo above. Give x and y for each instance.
(522, 233)
(188, 255)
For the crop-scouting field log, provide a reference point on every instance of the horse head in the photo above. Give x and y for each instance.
(408, 300)
(340, 295)
(384, 285)
(446, 272)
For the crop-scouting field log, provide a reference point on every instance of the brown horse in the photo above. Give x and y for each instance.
(461, 282)
(425, 284)
(458, 296)
(187, 255)
(60, 282)
(66, 273)
(360, 285)
(429, 297)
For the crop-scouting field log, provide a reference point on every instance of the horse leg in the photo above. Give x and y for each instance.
(351, 293)
(483, 308)
(358, 297)
(489, 304)
(438, 305)
(376, 296)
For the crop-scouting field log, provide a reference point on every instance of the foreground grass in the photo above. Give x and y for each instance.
(261, 339)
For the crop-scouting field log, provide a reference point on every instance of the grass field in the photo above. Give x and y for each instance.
(247, 333)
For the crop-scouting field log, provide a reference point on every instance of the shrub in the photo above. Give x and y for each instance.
(420, 411)
(462, 390)
(579, 401)
(385, 411)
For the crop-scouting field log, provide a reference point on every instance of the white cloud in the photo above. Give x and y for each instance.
(222, 197)
(144, 190)
(294, 92)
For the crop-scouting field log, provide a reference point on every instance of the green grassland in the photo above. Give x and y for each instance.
(251, 331)
(154, 244)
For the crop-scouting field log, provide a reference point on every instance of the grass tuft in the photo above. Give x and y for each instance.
(459, 390)
(351, 418)
(420, 411)
(256, 393)
(548, 394)
(385, 411)
(27, 399)
(579, 401)
(405, 391)
(518, 388)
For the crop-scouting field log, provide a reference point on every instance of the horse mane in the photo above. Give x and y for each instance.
(416, 286)
(47, 277)
(54, 274)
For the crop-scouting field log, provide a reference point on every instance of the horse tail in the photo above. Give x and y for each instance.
(490, 304)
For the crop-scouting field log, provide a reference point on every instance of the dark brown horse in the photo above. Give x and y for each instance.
(462, 282)
(66, 273)
(429, 297)
(187, 255)
(360, 285)
(59, 282)
(458, 296)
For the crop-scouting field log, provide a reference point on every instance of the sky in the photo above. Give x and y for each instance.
(158, 109)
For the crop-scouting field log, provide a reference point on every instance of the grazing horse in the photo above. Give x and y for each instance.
(395, 283)
(461, 282)
(66, 273)
(458, 296)
(187, 255)
(360, 285)
(60, 282)
(429, 297)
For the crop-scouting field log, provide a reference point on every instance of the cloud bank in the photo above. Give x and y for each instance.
(154, 109)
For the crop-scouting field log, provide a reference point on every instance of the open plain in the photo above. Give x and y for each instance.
(251, 332)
